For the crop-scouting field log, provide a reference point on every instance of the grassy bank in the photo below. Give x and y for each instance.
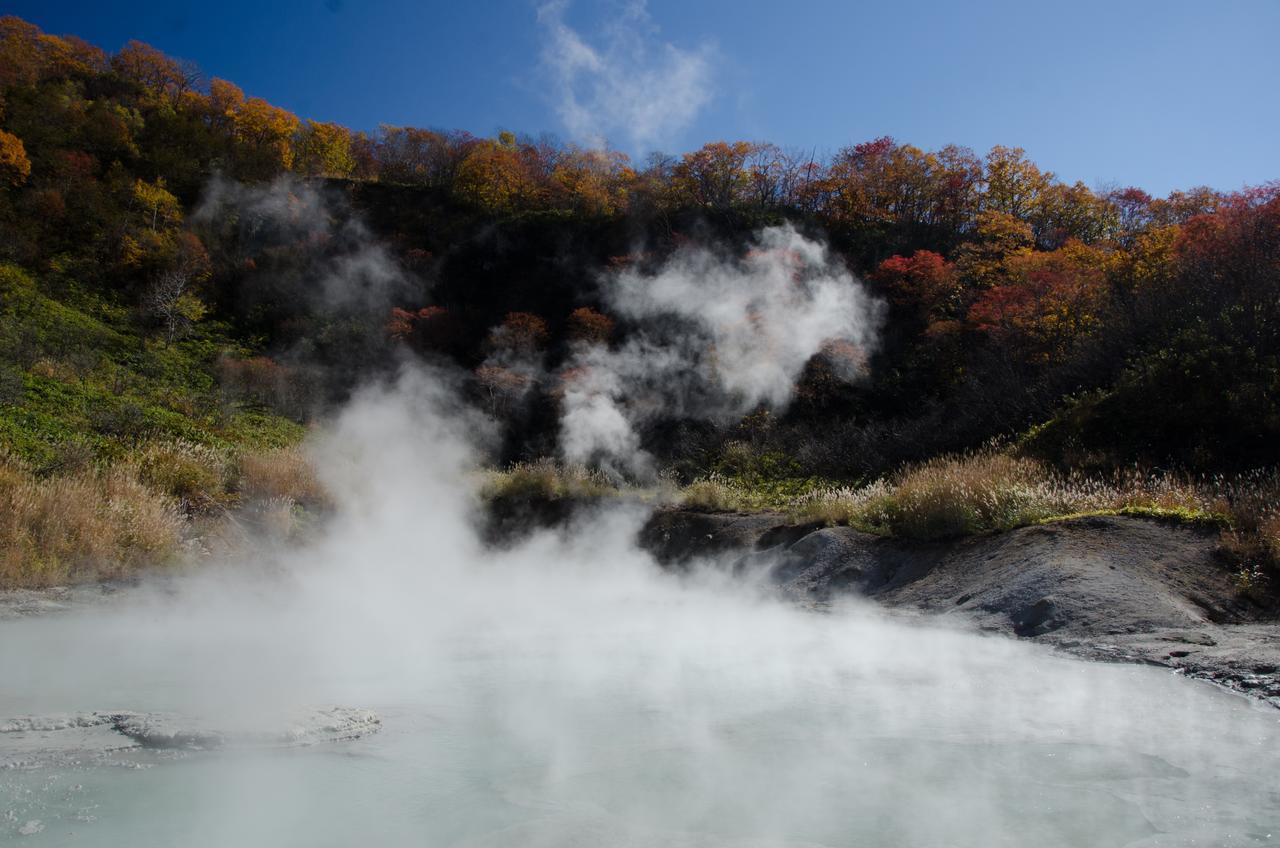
(164, 500)
(961, 495)
(121, 448)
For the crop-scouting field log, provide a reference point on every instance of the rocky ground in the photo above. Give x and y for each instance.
(119, 737)
(1107, 588)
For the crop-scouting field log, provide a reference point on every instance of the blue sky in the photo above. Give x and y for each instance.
(1158, 93)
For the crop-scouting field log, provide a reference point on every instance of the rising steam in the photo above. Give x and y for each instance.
(348, 268)
(717, 337)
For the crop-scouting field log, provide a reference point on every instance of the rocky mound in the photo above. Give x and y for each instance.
(1109, 587)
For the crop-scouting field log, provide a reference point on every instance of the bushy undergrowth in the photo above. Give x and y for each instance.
(200, 477)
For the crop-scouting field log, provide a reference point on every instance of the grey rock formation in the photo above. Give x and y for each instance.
(1108, 588)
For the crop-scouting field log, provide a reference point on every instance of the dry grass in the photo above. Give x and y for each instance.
(279, 475)
(836, 506)
(716, 494)
(546, 479)
(986, 490)
(80, 526)
(82, 522)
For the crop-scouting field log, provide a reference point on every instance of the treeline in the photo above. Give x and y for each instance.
(1104, 326)
(75, 116)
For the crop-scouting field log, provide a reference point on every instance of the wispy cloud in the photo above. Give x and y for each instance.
(631, 87)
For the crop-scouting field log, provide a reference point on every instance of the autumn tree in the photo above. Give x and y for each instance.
(14, 165)
(588, 326)
(593, 182)
(496, 176)
(1014, 183)
(431, 328)
(715, 176)
(983, 262)
(1132, 210)
(148, 241)
(1061, 213)
(1051, 301)
(1181, 206)
(324, 149)
(159, 74)
(857, 178)
(521, 334)
(261, 134)
(22, 59)
(881, 187)
(420, 156)
(924, 282)
(29, 56)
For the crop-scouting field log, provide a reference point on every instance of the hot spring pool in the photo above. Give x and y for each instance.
(667, 717)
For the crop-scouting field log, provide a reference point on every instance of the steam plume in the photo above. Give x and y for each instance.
(718, 337)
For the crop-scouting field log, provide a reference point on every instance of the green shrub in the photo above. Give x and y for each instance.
(199, 476)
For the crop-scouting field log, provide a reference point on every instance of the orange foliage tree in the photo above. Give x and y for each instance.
(589, 326)
(14, 165)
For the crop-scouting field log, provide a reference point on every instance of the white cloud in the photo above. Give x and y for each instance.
(632, 87)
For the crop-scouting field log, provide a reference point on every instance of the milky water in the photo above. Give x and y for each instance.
(569, 692)
(655, 722)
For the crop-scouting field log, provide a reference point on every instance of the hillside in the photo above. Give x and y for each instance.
(190, 275)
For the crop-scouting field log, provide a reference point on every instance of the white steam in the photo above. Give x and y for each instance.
(717, 338)
(632, 85)
(356, 271)
(766, 314)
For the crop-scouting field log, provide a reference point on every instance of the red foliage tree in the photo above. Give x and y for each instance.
(430, 328)
(924, 281)
(519, 334)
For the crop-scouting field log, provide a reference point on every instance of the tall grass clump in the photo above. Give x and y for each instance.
(200, 477)
(86, 525)
(991, 489)
(717, 494)
(961, 495)
(947, 497)
(546, 479)
(1252, 502)
(281, 474)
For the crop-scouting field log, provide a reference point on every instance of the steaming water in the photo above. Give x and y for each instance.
(672, 716)
(568, 693)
